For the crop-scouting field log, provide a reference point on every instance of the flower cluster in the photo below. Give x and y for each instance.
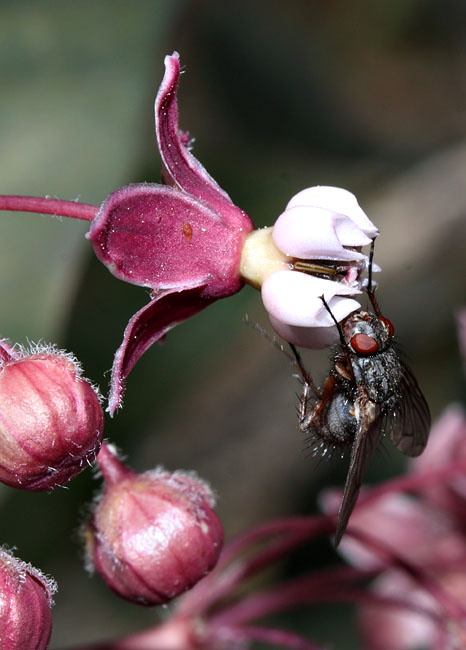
(190, 245)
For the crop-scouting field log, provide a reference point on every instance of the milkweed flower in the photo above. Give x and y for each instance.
(51, 420)
(26, 598)
(151, 536)
(447, 443)
(189, 244)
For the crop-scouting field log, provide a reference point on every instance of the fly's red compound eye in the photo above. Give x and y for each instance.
(364, 344)
(389, 324)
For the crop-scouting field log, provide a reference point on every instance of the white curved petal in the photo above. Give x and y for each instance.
(313, 338)
(315, 233)
(393, 628)
(337, 200)
(294, 298)
(349, 233)
(343, 307)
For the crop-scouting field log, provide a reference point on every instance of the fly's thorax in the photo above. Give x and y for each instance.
(380, 375)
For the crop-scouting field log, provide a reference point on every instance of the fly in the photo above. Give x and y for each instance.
(368, 392)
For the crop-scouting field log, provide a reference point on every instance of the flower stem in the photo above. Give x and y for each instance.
(280, 638)
(413, 482)
(307, 527)
(57, 207)
(279, 538)
(310, 588)
(113, 470)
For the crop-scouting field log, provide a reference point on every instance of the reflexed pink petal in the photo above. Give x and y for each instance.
(149, 325)
(447, 443)
(316, 233)
(314, 338)
(181, 168)
(392, 628)
(183, 239)
(294, 298)
(337, 200)
(158, 237)
(447, 440)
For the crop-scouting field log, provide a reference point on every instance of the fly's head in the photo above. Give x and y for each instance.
(367, 334)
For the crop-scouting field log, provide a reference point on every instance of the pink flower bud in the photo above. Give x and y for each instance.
(25, 602)
(151, 536)
(51, 421)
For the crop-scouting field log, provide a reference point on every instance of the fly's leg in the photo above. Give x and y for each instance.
(306, 420)
(305, 375)
(343, 343)
(303, 402)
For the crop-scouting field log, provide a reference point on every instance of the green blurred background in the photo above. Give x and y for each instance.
(279, 96)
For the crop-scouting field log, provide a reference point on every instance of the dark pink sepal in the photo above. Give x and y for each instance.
(181, 168)
(148, 325)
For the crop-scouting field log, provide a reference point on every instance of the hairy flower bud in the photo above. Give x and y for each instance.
(51, 421)
(151, 536)
(25, 602)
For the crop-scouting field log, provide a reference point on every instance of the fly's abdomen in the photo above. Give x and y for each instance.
(337, 423)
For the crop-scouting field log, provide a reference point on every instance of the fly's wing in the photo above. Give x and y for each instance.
(410, 423)
(365, 443)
